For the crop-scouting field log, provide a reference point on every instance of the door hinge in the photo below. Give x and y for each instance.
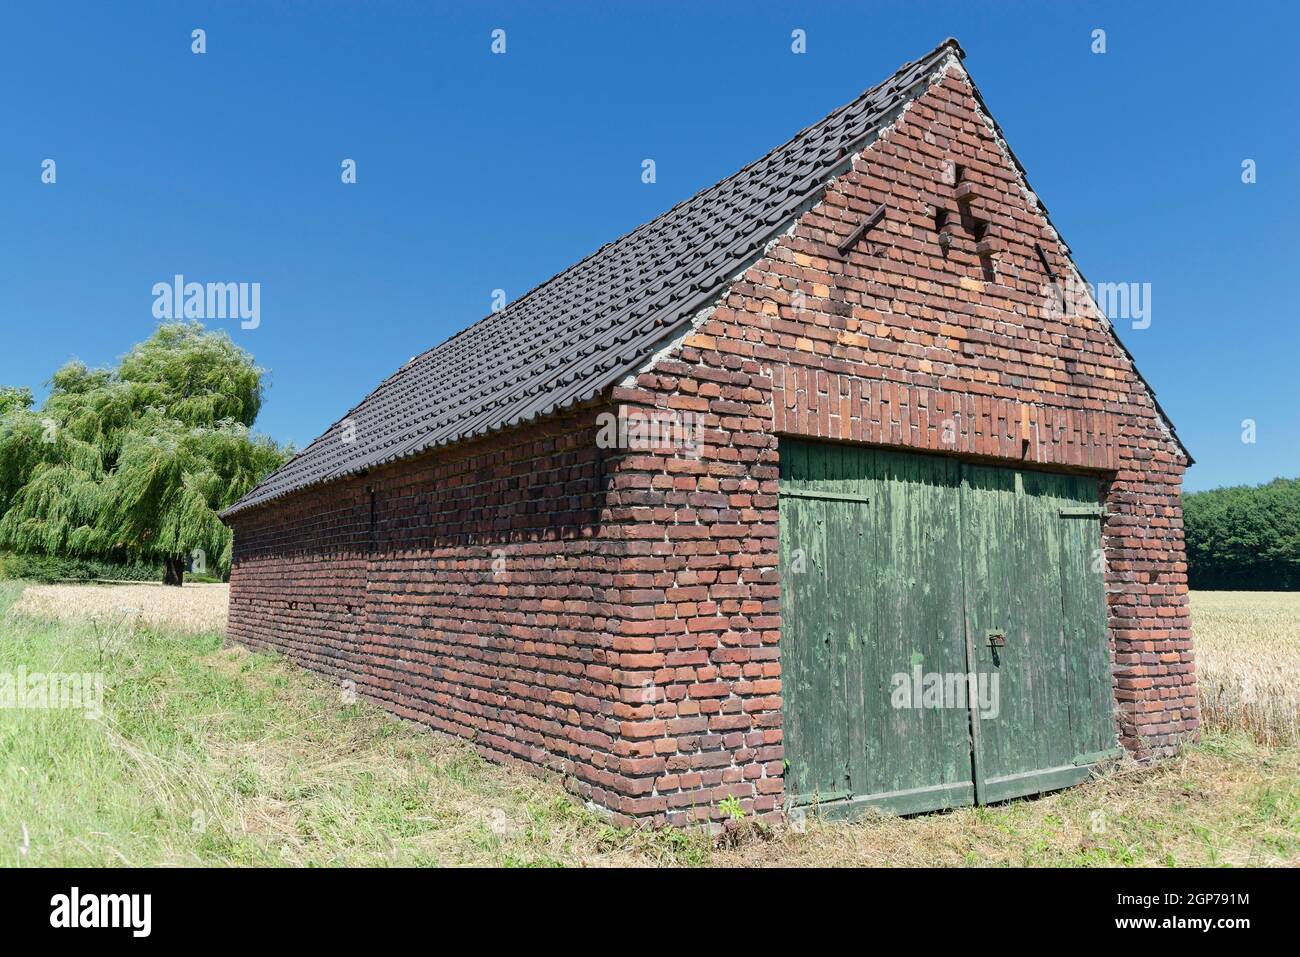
(833, 496)
(1082, 511)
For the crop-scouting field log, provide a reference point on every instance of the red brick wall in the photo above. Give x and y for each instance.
(898, 344)
(633, 640)
(475, 601)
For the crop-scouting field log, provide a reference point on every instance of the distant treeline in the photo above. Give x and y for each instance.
(1244, 538)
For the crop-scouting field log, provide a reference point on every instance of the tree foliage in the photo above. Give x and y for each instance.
(1244, 537)
(14, 397)
(134, 463)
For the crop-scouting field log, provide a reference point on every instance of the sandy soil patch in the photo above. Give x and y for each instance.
(191, 608)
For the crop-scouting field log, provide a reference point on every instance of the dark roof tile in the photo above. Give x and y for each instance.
(572, 337)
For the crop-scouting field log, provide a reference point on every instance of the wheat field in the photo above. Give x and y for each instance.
(191, 609)
(1248, 662)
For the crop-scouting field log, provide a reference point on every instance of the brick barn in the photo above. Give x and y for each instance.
(829, 485)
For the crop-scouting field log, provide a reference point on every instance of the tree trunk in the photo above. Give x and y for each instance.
(173, 571)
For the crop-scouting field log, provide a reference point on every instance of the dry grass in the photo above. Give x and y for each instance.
(1248, 663)
(192, 609)
(330, 783)
(1228, 802)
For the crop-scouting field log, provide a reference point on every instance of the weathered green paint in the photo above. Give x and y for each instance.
(1083, 600)
(917, 628)
(819, 577)
(1037, 781)
(1013, 550)
(870, 590)
(894, 564)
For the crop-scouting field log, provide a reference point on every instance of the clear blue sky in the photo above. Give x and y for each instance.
(478, 172)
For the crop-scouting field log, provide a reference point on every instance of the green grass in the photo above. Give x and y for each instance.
(207, 755)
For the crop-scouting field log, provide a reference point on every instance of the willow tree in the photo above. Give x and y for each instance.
(135, 462)
(14, 397)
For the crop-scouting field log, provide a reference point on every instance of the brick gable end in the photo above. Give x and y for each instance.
(904, 343)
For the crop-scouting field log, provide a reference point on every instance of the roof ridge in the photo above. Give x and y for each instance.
(630, 290)
(949, 42)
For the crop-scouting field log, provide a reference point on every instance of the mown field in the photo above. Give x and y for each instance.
(210, 755)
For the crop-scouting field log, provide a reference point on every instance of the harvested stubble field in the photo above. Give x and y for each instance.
(210, 755)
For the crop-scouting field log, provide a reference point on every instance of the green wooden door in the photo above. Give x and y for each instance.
(1035, 607)
(1087, 634)
(871, 596)
(824, 563)
(918, 755)
(944, 630)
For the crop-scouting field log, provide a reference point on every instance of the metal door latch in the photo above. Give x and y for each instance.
(997, 639)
